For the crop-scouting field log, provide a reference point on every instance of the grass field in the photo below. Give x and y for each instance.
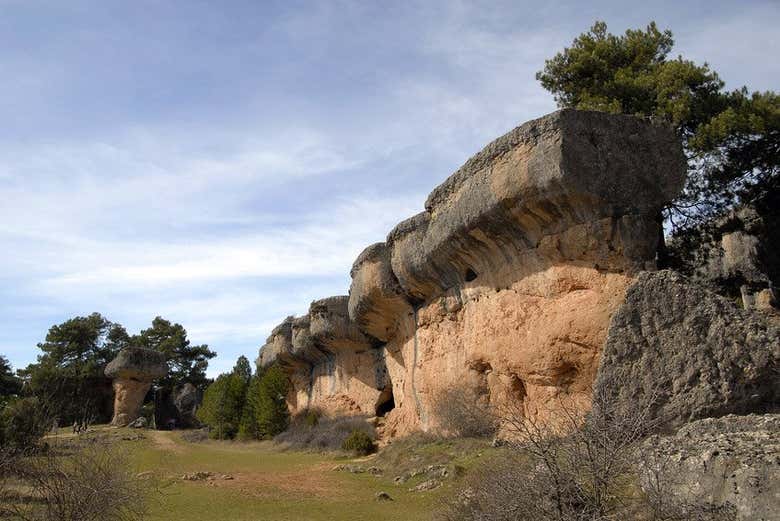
(270, 485)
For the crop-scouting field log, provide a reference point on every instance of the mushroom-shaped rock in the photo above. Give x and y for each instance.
(133, 371)
(304, 345)
(331, 327)
(566, 170)
(278, 346)
(376, 301)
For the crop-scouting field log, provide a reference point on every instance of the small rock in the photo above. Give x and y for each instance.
(374, 471)
(426, 485)
(437, 471)
(197, 476)
(383, 496)
(138, 423)
(399, 480)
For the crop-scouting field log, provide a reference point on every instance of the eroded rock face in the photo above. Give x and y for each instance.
(331, 363)
(690, 352)
(507, 281)
(133, 371)
(735, 257)
(176, 407)
(733, 460)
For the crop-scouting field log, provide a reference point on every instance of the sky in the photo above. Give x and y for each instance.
(222, 164)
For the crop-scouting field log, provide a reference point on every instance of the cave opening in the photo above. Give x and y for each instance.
(470, 275)
(385, 403)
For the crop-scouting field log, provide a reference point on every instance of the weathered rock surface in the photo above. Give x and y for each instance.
(734, 257)
(133, 371)
(176, 407)
(506, 283)
(733, 459)
(331, 363)
(691, 353)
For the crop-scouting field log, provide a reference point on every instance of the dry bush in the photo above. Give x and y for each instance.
(577, 467)
(89, 482)
(326, 434)
(461, 413)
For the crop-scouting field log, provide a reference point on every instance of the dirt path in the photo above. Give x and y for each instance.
(162, 440)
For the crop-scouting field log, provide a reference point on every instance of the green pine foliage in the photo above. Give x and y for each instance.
(271, 411)
(10, 384)
(245, 406)
(732, 138)
(248, 429)
(224, 402)
(187, 363)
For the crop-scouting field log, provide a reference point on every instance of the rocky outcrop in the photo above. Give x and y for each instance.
(133, 371)
(730, 460)
(505, 284)
(689, 353)
(176, 407)
(735, 256)
(331, 363)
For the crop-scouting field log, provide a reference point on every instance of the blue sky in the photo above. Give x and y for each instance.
(222, 163)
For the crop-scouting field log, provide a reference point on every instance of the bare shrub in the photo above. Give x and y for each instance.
(461, 413)
(572, 466)
(94, 482)
(326, 434)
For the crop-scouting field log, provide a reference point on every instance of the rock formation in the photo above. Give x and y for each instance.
(736, 257)
(730, 460)
(133, 371)
(176, 407)
(689, 353)
(506, 283)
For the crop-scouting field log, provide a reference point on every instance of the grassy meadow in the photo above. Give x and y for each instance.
(270, 484)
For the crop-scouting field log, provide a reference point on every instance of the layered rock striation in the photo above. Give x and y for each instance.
(505, 284)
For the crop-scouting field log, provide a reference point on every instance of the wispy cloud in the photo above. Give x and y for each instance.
(226, 167)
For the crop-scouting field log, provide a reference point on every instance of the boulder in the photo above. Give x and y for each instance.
(133, 371)
(176, 407)
(138, 423)
(730, 460)
(689, 353)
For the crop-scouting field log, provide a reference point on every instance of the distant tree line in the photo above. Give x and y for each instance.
(242, 405)
(68, 375)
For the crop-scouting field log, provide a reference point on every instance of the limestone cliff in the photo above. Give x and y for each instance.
(506, 283)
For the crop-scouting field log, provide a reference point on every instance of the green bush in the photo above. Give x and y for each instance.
(312, 417)
(359, 442)
(23, 423)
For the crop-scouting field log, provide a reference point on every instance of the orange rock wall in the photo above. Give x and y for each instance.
(504, 285)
